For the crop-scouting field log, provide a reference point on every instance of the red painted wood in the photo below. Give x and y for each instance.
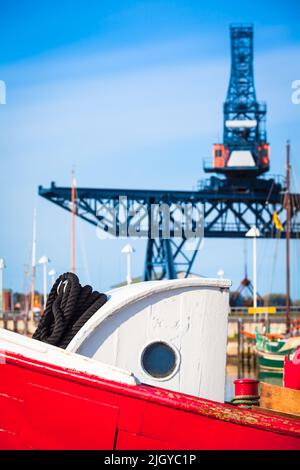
(10, 413)
(127, 440)
(48, 407)
(53, 419)
(191, 431)
(11, 441)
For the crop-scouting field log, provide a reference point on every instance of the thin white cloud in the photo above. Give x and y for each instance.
(156, 102)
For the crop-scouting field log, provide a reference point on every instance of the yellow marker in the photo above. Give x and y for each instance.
(262, 310)
(277, 222)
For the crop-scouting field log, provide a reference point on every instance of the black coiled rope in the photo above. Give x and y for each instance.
(68, 308)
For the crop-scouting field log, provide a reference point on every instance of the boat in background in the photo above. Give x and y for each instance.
(271, 351)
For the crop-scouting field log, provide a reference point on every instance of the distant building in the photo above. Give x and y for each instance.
(15, 301)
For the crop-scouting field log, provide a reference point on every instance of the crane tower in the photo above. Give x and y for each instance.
(234, 200)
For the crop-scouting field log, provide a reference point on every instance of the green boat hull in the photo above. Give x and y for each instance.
(271, 354)
(271, 364)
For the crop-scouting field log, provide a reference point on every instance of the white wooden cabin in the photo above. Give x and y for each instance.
(171, 334)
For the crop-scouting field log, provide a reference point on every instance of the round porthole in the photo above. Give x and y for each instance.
(159, 360)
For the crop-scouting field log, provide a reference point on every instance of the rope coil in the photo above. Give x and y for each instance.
(69, 307)
(245, 401)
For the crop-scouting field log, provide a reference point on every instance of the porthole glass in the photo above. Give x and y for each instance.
(159, 359)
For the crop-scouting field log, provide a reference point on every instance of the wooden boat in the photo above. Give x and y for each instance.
(284, 401)
(146, 371)
(271, 352)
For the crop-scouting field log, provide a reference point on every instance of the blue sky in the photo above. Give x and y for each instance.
(130, 93)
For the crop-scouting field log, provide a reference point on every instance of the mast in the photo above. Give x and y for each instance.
(26, 297)
(33, 262)
(73, 223)
(288, 229)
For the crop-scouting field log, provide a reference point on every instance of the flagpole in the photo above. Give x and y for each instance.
(33, 263)
(73, 223)
(288, 223)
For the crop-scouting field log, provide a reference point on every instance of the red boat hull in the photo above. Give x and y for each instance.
(48, 407)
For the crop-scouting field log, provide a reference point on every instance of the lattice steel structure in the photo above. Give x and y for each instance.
(241, 102)
(244, 151)
(226, 215)
(229, 205)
